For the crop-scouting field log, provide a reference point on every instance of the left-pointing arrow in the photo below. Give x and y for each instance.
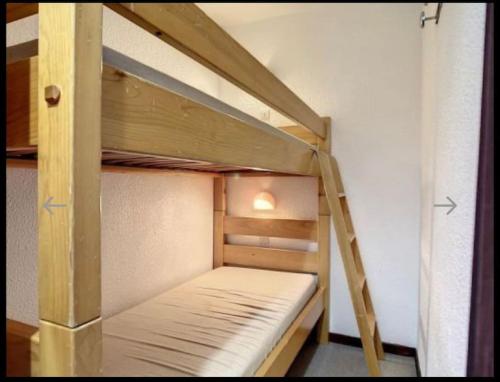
(48, 205)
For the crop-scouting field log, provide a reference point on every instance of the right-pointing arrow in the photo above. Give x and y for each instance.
(452, 205)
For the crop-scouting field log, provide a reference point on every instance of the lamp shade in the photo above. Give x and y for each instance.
(264, 201)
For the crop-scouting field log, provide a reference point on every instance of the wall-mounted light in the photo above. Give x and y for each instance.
(264, 201)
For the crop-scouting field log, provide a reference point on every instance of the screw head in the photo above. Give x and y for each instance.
(52, 95)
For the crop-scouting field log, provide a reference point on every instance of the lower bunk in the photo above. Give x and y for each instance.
(230, 321)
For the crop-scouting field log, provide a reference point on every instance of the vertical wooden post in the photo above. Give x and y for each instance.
(69, 160)
(324, 244)
(219, 213)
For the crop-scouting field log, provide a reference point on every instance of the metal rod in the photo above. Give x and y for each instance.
(424, 18)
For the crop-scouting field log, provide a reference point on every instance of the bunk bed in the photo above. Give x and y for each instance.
(74, 106)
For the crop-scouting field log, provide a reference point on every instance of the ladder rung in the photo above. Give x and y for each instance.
(341, 195)
(371, 323)
(351, 236)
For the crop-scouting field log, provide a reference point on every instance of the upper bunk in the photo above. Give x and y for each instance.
(152, 120)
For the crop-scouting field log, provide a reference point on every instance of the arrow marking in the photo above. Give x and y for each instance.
(47, 205)
(452, 206)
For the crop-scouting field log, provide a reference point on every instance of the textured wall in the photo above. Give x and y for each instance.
(451, 110)
(156, 233)
(360, 65)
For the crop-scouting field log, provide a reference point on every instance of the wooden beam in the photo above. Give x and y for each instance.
(69, 164)
(270, 258)
(324, 229)
(30, 163)
(16, 11)
(219, 213)
(187, 28)
(70, 352)
(286, 228)
(305, 135)
(18, 348)
(35, 354)
(153, 120)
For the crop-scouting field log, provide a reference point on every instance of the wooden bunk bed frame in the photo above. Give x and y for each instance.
(73, 114)
(75, 106)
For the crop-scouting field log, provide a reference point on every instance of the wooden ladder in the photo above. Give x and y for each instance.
(358, 287)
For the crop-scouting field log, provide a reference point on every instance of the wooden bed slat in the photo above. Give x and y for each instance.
(186, 27)
(270, 258)
(285, 228)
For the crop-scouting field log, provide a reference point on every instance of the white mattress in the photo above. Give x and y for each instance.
(222, 323)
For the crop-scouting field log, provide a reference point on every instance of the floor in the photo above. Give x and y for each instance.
(335, 360)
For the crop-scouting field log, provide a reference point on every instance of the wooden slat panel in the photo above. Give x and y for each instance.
(269, 258)
(286, 228)
(152, 120)
(281, 357)
(16, 11)
(186, 27)
(69, 163)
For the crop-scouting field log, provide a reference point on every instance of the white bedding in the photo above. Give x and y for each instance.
(222, 323)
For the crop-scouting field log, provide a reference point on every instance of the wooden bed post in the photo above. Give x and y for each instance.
(323, 331)
(69, 165)
(219, 213)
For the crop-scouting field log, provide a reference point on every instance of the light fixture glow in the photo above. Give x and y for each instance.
(263, 201)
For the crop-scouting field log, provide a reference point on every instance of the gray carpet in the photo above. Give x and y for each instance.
(335, 360)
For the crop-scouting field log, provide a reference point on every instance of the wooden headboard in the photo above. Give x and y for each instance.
(261, 257)
(270, 258)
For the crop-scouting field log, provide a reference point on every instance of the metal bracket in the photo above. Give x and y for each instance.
(424, 18)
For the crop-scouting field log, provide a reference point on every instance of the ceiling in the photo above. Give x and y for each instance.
(235, 14)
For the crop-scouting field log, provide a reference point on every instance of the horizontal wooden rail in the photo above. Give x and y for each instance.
(186, 27)
(285, 228)
(16, 11)
(270, 258)
(18, 348)
(304, 134)
(139, 116)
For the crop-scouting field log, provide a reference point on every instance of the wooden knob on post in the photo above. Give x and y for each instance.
(52, 95)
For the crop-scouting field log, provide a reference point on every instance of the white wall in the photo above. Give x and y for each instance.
(296, 198)
(361, 65)
(156, 233)
(156, 230)
(451, 109)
